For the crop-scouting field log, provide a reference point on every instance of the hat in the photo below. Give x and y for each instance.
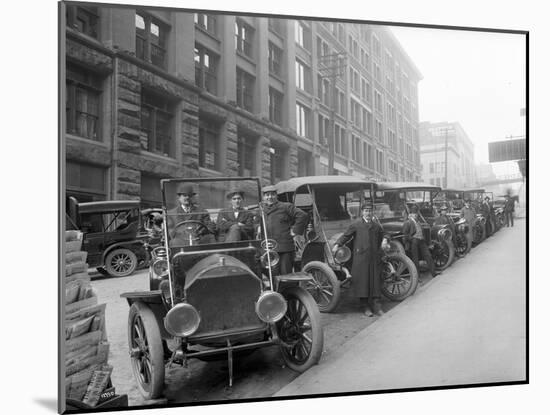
(185, 189)
(269, 188)
(366, 206)
(230, 194)
(443, 207)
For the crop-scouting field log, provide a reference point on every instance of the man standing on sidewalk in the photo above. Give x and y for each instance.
(470, 215)
(368, 239)
(509, 211)
(415, 242)
(283, 222)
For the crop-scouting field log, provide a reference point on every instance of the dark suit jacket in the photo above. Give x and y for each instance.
(280, 218)
(226, 218)
(409, 229)
(177, 215)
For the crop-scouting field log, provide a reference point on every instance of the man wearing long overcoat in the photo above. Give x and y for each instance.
(283, 221)
(509, 211)
(368, 239)
(468, 213)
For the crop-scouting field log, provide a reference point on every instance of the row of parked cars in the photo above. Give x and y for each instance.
(221, 299)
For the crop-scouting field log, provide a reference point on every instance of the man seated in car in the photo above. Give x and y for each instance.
(235, 223)
(200, 230)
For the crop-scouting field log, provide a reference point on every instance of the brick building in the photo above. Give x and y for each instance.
(156, 93)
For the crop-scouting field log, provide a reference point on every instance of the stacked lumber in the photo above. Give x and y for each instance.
(87, 373)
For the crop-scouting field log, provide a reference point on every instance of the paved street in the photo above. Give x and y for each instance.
(468, 326)
(452, 325)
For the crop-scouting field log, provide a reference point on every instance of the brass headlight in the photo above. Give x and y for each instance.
(182, 320)
(269, 258)
(444, 234)
(271, 307)
(160, 266)
(342, 255)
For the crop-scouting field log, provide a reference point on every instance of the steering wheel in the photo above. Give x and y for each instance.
(193, 227)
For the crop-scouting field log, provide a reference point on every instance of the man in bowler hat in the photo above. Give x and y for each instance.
(188, 210)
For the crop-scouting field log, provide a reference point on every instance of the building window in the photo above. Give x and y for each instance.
(370, 157)
(302, 35)
(341, 35)
(85, 19)
(355, 113)
(275, 99)
(277, 163)
(245, 90)
(341, 103)
(303, 76)
(339, 140)
(378, 132)
(246, 153)
(380, 161)
(431, 168)
(275, 56)
(324, 129)
(305, 163)
(206, 22)
(83, 97)
(244, 36)
(150, 40)
(206, 69)
(86, 182)
(322, 48)
(323, 86)
(365, 60)
(209, 143)
(354, 78)
(302, 120)
(377, 101)
(376, 47)
(377, 73)
(367, 122)
(356, 149)
(156, 124)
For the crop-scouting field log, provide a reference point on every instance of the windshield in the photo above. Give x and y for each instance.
(395, 204)
(337, 203)
(205, 212)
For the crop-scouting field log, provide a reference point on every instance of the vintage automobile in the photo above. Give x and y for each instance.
(213, 300)
(332, 203)
(393, 203)
(113, 234)
(452, 199)
(475, 196)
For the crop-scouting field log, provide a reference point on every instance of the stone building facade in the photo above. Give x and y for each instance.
(157, 93)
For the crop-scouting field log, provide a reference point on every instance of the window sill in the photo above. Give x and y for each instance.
(207, 33)
(205, 171)
(85, 140)
(158, 156)
(245, 57)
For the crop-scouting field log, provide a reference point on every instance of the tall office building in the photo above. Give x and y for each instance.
(156, 93)
(446, 141)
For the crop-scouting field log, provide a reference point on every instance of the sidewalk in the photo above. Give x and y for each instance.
(468, 326)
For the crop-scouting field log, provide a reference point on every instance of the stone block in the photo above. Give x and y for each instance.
(128, 121)
(129, 108)
(128, 175)
(126, 83)
(129, 146)
(131, 96)
(126, 188)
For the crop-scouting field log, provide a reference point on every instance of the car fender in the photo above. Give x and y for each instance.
(292, 279)
(153, 300)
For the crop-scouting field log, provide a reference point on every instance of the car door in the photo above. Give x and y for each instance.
(93, 241)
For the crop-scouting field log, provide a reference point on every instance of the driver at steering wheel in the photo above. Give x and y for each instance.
(187, 210)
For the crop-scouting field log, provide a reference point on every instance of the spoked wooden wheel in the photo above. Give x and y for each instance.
(120, 262)
(399, 277)
(300, 330)
(146, 351)
(325, 287)
(463, 245)
(443, 254)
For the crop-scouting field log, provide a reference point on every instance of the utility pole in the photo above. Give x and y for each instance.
(446, 147)
(331, 67)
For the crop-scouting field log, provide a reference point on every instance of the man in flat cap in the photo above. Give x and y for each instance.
(369, 241)
(413, 237)
(283, 221)
(188, 210)
(235, 223)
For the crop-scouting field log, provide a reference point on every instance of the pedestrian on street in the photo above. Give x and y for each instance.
(487, 211)
(415, 242)
(283, 222)
(369, 241)
(468, 213)
(188, 210)
(509, 208)
(236, 223)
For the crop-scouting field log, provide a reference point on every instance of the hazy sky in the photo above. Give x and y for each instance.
(474, 78)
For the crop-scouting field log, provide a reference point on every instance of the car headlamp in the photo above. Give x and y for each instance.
(160, 266)
(269, 258)
(342, 255)
(271, 307)
(444, 234)
(182, 320)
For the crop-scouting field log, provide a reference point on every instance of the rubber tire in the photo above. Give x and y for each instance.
(397, 247)
(468, 246)
(156, 350)
(112, 272)
(451, 249)
(317, 339)
(414, 279)
(332, 280)
(483, 235)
